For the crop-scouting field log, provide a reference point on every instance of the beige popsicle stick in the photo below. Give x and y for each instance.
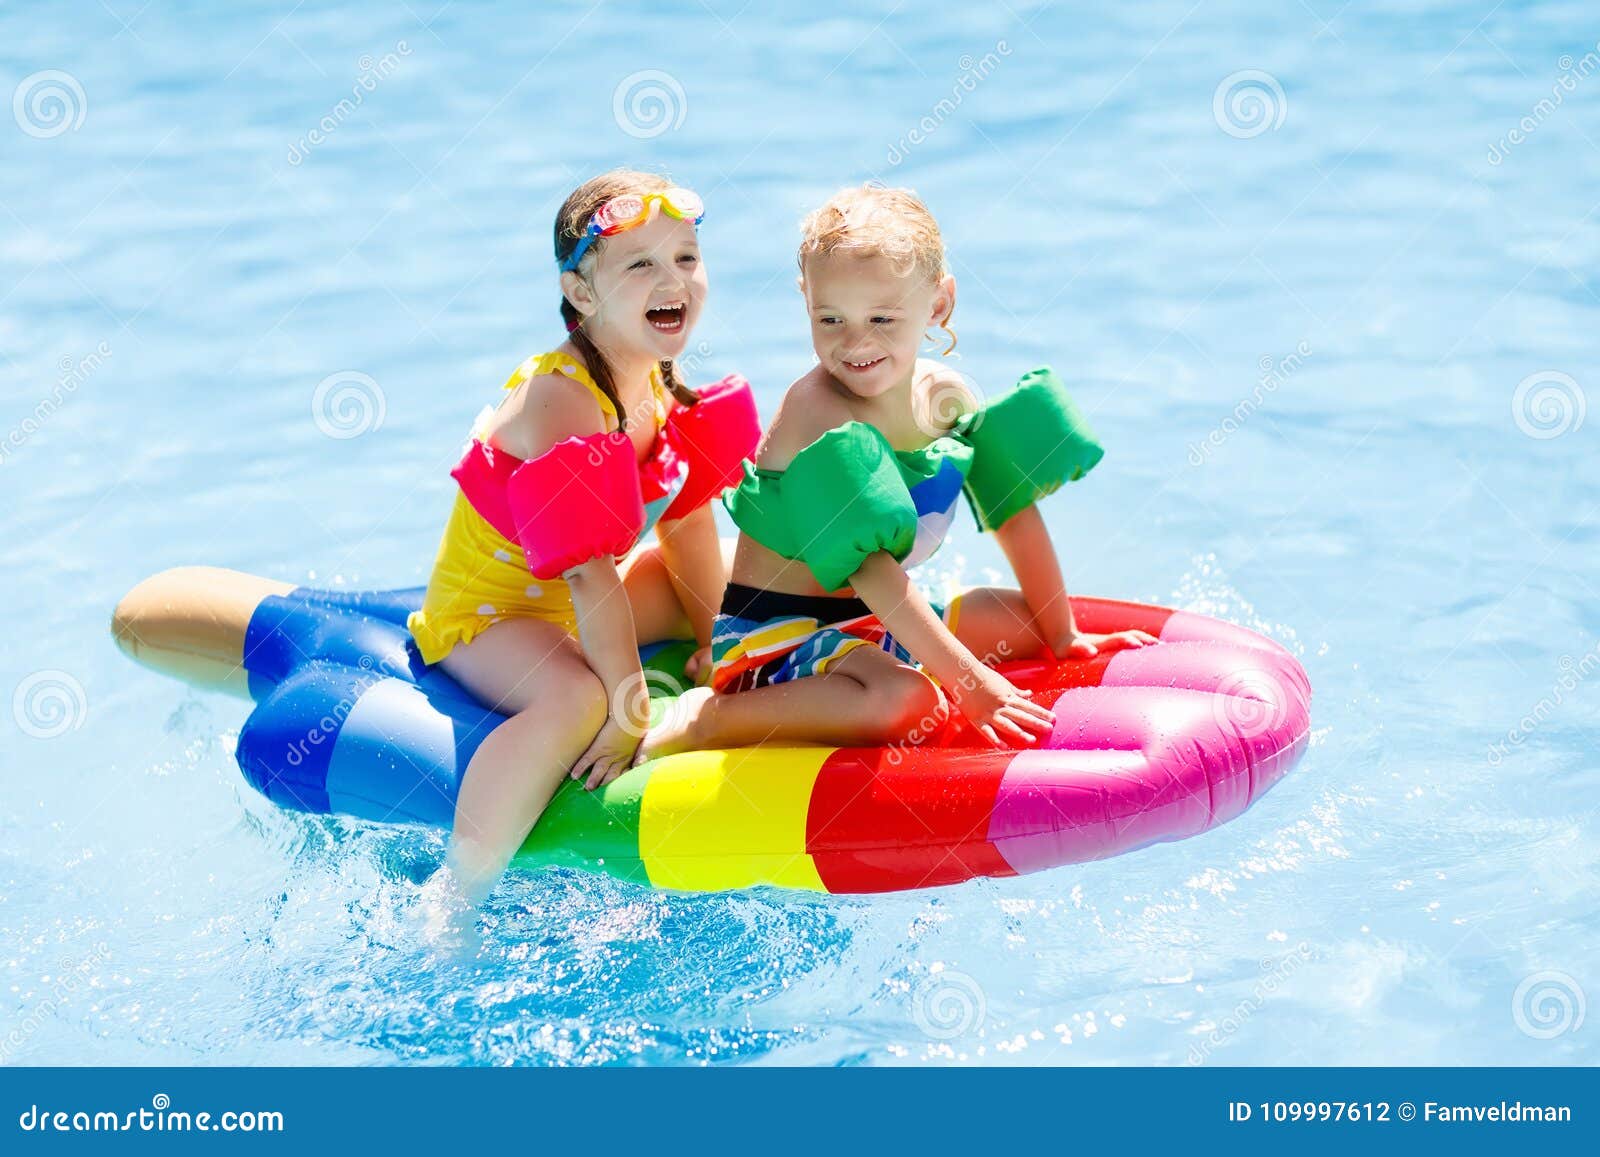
(190, 622)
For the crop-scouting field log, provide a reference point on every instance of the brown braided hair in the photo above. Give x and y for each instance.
(572, 220)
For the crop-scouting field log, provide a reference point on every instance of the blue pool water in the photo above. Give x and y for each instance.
(1339, 335)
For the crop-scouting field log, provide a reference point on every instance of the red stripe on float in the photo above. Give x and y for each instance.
(1103, 616)
(896, 869)
(882, 819)
(1046, 679)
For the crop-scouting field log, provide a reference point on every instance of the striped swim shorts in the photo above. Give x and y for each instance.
(762, 637)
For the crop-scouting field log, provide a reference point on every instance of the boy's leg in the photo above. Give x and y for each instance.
(995, 624)
(864, 697)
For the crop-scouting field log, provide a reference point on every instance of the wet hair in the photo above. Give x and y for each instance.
(874, 221)
(572, 221)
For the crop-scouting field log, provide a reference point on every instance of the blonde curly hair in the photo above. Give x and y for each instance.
(873, 221)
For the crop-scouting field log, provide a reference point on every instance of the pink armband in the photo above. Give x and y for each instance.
(577, 501)
(714, 436)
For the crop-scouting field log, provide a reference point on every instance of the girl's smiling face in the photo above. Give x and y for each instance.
(643, 289)
(868, 318)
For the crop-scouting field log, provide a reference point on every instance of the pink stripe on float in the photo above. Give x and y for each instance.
(1212, 665)
(1178, 738)
(1108, 783)
(1047, 813)
(1186, 627)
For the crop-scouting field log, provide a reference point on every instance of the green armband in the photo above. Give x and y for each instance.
(841, 499)
(1025, 446)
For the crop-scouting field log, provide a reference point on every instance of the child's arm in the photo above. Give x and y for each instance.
(714, 438)
(532, 423)
(606, 634)
(1027, 546)
(693, 557)
(1029, 443)
(1002, 712)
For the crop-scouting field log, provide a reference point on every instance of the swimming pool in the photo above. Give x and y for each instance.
(1324, 288)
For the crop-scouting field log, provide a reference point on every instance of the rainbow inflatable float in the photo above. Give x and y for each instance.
(1154, 744)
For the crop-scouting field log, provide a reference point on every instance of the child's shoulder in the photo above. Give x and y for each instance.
(544, 407)
(810, 408)
(942, 394)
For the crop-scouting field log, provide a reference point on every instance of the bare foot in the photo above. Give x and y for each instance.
(675, 731)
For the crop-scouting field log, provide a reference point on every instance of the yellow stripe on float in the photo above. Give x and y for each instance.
(712, 820)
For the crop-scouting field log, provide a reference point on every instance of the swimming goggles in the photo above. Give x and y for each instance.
(630, 210)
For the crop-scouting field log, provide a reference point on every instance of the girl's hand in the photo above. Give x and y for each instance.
(609, 754)
(1080, 646)
(698, 668)
(998, 709)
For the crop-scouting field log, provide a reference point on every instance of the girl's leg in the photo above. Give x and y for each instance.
(868, 697)
(995, 624)
(535, 673)
(657, 613)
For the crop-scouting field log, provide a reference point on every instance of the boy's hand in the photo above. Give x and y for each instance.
(1004, 714)
(698, 668)
(1076, 645)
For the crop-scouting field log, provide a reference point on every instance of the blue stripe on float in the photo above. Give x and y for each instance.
(391, 606)
(401, 754)
(331, 738)
(340, 723)
(270, 641)
(287, 631)
(285, 745)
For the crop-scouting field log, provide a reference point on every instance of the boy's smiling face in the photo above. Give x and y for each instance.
(868, 316)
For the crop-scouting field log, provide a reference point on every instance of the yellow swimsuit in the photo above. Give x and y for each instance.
(480, 576)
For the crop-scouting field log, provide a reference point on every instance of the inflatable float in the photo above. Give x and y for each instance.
(1153, 744)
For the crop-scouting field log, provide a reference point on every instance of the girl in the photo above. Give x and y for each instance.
(822, 634)
(527, 606)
